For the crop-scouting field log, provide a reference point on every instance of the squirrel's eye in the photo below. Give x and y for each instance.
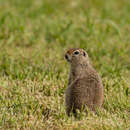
(76, 52)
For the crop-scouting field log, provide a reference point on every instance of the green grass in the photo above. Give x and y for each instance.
(34, 35)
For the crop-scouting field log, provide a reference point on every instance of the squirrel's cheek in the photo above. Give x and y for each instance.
(69, 59)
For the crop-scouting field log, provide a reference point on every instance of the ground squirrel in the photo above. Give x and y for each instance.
(85, 86)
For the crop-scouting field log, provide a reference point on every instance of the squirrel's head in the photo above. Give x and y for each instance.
(77, 56)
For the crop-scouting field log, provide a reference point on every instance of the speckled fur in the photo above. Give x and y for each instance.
(85, 86)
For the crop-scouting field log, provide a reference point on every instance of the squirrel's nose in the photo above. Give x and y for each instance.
(66, 57)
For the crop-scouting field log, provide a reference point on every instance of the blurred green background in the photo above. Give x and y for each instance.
(34, 35)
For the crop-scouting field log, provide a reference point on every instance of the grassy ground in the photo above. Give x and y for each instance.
(34, 35)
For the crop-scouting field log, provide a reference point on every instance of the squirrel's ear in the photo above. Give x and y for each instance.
(84, 53)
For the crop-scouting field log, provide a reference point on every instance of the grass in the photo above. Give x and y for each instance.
(33, 73)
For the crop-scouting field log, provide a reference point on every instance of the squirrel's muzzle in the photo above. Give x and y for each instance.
(67, 58)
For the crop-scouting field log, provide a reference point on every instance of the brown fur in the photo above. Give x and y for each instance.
(85, 86)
